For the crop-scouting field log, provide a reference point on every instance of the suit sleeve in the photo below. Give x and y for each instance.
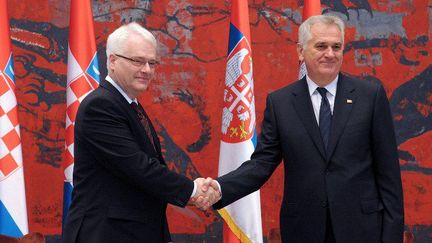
(386, 162)
(103, 127)
(252, 174)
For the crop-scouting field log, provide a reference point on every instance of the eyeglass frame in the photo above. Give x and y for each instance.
(138, 63)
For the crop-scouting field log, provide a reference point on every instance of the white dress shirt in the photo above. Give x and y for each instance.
(316, 97)
(111, 81)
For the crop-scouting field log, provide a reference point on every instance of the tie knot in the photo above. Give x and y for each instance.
(322, 91)
(137, 109)
(134, 106)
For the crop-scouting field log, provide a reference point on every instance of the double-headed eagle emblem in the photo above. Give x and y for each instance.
(238, 117)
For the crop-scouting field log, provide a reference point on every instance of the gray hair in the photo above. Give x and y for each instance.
(305, 28)
(116, 40)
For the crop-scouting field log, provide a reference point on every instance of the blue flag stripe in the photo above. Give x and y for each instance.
(93, 69)
(234, 37)
(7, 224)
(67, 199)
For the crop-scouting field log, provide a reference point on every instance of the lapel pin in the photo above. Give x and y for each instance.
(349, 101)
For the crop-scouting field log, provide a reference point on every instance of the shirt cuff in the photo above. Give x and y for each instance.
(194, 190)
(220, 189)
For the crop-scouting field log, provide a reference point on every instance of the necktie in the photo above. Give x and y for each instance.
(325, 116)
(145, 122)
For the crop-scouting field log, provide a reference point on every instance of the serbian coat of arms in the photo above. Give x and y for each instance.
(238, 117)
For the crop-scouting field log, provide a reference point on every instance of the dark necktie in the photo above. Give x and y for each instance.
(325, 116)
(145, 122)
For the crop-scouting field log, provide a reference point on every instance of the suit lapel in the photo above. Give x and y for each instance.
(344, 102)
(304, 109)
(105, 84)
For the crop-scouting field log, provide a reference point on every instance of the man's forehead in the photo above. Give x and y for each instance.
(323, 25)
(325, 35)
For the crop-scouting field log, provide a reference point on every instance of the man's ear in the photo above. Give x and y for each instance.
(112, 60)
(300, 52)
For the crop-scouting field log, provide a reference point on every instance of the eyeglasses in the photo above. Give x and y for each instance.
(140, 63)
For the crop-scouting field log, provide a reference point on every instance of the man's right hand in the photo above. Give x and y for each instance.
(207, 193)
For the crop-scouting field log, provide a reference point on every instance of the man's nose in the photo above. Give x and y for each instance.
(329, 52)
(145, 68)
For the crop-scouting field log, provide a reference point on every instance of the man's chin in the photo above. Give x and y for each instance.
(143, 82)
(144, 87)
(141, 87)
(329, 72)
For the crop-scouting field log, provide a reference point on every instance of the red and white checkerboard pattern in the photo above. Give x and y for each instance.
(78, 87)
(10, 143)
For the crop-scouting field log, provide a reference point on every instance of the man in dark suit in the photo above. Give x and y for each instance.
(121, 182)
(336, 138)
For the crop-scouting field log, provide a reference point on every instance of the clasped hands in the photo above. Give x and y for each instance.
(207, 193)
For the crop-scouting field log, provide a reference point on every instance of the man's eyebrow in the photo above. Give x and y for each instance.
(328, 43)
(321, 43)
(143, 58)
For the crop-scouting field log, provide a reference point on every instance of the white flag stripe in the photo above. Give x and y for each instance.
(74, 69)
(12, 195)
(17, 155)
(232, 155)
(246, 212)
(5, 125)
(3, 150)
(248, 222)
(68, 173)
(302, 70)
(8, 101)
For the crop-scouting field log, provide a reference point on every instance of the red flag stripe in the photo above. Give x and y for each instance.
(81, 32)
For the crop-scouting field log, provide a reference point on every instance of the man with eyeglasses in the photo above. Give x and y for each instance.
(121, 182)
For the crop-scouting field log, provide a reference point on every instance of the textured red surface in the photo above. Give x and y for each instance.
(186, 99)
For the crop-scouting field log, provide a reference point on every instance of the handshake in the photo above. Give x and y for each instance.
(207, 193)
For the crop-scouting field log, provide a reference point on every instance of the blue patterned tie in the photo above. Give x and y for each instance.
(325, 116)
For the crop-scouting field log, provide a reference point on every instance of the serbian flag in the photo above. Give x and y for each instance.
(13, 209)
(82, 78)
(310, 8)
(238, 139)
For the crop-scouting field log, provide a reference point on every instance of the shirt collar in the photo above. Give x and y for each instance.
(331, 87)
(111, 81)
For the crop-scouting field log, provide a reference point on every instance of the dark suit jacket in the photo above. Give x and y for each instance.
(121, 183)
(357, 179)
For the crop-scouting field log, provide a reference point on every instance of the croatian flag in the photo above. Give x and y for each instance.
(13, 209)
(243, 217)
(82, 78)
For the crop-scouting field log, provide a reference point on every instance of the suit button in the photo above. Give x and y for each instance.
(324, 204)
(327, 171)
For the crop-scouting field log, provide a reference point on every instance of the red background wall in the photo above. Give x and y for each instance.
(386, 41)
